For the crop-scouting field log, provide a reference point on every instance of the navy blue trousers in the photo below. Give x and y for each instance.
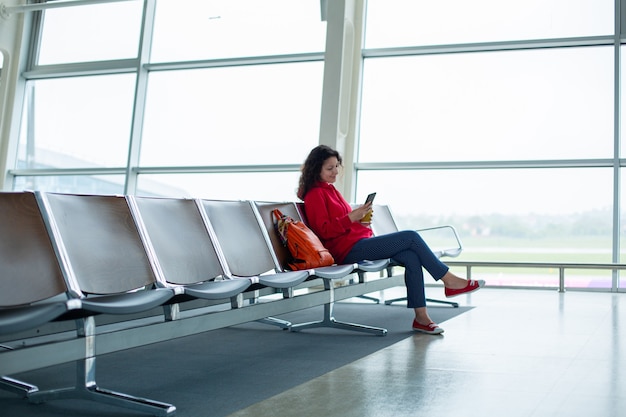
(409, 250)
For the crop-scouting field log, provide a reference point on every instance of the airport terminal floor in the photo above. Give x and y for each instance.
(526, 353)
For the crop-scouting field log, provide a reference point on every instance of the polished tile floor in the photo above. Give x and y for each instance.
(526, 353)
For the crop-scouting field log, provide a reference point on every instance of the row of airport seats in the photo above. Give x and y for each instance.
(86, 275)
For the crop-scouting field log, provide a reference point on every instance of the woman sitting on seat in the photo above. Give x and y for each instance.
(350, 240)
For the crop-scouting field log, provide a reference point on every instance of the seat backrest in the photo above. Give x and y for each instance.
(265, 211)
(29, 269)
(241, 237)
(382, 220)
(302, 212)
(100, 243)
(443, 240)
(179, 237)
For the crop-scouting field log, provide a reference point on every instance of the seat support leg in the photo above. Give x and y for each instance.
(329, 320)
(450, 303)
(87, 388)
(14, 386)
(429, 300)
(369, 298)
(273, 321)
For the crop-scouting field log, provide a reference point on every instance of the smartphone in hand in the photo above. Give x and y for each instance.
(370, 198)
(368, 217)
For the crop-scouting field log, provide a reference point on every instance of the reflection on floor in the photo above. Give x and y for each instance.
(519, 353)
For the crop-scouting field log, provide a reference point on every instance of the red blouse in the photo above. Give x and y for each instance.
(327, 214)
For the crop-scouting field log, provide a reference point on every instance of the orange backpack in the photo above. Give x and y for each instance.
(305, 247)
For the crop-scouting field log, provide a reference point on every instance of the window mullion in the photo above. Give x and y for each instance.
(141, 87)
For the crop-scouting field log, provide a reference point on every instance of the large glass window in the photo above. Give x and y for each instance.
(509, 215)
(264, 114)
(494, 116)
(622, 254)
(1, 64)
(79, 122)
(393, 23)
(91, 33)
(518, 105)
(186, 30)
(263, 186)
(622, 108)
(84, 184)
(556, 214)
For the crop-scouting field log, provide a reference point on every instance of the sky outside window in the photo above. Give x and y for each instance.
(517, 105)
(199, 29)
(91, 33)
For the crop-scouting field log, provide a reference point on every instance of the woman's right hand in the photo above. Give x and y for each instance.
(358, 213)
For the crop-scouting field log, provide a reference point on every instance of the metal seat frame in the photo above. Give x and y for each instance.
(86, 234)
(241, 240)
(328, 274)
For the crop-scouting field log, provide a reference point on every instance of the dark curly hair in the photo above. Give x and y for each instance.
(313, 166)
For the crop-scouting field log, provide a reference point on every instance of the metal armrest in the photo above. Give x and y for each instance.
(448, 252)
